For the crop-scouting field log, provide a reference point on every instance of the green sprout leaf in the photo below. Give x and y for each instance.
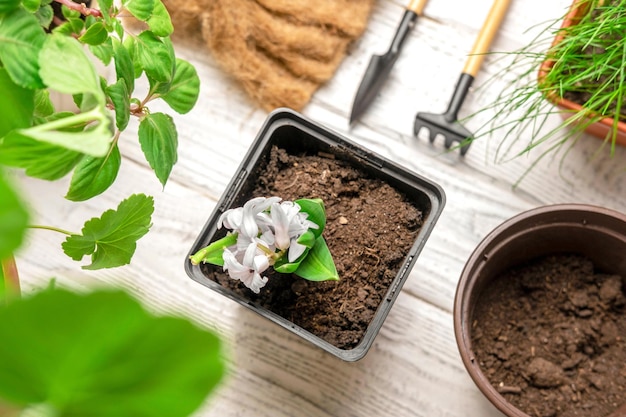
(159, 143)
(316, 213)
(318, 264)
(21, 40)
(16, 106)
(183, 92)
(104, 356)
(156, 56)
(93, 176)
(160, 22)
(111, 239)
(13, 219)
(283, 265)
(212, 254)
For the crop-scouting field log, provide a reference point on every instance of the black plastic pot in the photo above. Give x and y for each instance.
(596, 233)
(296, 134)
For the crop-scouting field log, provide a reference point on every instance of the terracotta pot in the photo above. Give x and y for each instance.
(298, 135)
(595, 232)
(8, 271)
(602, 128)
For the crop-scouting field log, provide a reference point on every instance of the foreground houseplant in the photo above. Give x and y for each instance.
(100, 354)
(578, 69)
(378, 217)
(42, 53)
(539, 313)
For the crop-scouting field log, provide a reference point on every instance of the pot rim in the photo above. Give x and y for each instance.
(467, 285)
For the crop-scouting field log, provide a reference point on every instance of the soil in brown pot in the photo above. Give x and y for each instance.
(370, 228)
(551, 338)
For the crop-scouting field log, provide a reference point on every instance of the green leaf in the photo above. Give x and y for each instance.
(8, 5)
(184, 89)
(38, 159)
(141, 9)
(104, 51)
(105, 5)
(72, 27)
(16, 106)
(159, 143)
(316, 213)
(43, 104)
(62, 52)
(133, 50)
(93, 176)
(118, 93)
(319, 264)
(44, 15)
(103, 355)
(13, 219)
(95, 35)
(111, 238)
(160, 22)
(32, 5)
(93, 141)
(307, 239)
(21, 40)
(156, 56)
(213, 254)
(124, 68)
(70, 13)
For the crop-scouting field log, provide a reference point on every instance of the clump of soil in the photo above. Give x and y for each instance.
(370, 228)
(551, 338)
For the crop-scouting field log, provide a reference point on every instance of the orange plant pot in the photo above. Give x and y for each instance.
(602, 128)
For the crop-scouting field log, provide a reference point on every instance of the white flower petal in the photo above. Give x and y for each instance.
(281, 226)
(256, 283)
(295, 250)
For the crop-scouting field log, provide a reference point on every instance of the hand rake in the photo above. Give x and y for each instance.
(447, 124)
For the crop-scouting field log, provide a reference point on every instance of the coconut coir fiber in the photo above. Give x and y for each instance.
(280, 51)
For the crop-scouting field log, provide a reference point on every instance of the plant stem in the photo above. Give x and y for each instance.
(54, 229)
(81, 7)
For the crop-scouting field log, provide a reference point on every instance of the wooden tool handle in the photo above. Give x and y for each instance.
(417, 6)
(485, 36)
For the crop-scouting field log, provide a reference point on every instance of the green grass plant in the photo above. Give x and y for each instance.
(587, 66)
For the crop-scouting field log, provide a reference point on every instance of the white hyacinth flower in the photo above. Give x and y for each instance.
(265, 228)
(250, 275)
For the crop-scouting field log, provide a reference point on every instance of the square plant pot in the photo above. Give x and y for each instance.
(379, 216)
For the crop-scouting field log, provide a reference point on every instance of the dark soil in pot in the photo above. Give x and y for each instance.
(370, 228)
(551, 337)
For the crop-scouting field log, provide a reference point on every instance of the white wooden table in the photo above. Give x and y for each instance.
(413, 368)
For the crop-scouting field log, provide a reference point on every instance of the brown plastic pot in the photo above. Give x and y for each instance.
(601, 129)
(595, 232)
